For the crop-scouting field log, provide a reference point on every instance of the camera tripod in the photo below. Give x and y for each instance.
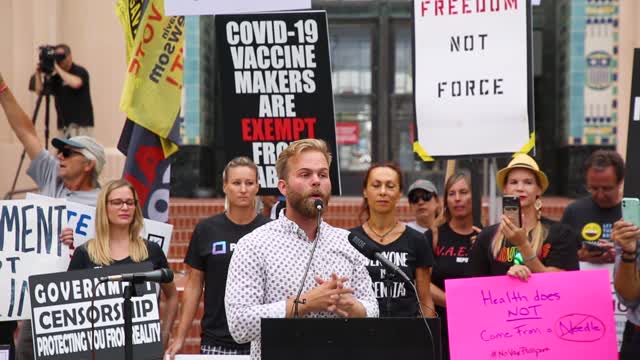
(46, 94)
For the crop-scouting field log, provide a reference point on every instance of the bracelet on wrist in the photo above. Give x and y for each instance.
(531, 258)
(629, 259)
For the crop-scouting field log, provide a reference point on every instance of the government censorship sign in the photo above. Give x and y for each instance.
(63, 315)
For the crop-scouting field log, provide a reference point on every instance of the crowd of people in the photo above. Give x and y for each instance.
(252, 267)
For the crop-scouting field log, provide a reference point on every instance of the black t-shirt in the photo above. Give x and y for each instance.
(451, 260)
(73, 105)
(81, 260)
(210, 249)
(591, 221)
(451, 255)
(558, 250)
(408, 252)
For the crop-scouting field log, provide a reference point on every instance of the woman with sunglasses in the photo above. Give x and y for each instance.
(402, 245)
(117, 241)
(424, 204)
(451, 244)
(208, 268)
(538, 244)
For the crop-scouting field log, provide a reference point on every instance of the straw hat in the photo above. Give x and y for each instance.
(523, 161)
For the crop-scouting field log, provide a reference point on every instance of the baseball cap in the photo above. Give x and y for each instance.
(425, 185)
(86, 145)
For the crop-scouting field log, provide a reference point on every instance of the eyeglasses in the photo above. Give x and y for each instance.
(67, 152)
(415, 197)
(120, 202)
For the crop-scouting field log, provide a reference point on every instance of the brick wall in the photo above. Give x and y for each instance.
(342, 212)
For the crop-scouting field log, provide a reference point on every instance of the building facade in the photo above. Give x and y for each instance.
(582, 61)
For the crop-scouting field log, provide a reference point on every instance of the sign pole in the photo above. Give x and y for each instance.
(632, 178)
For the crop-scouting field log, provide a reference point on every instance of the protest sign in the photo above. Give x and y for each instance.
(81, 217)
(63, 313)
(558, 315)
(473, 77)
(276, 87)
(212, 7)
(29, 245)
(619, 309)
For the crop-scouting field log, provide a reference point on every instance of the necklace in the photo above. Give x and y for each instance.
(383, 235)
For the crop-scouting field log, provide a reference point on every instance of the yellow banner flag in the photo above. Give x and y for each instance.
(130, 13)
(153, 88)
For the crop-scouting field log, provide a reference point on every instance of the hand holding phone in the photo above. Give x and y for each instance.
(511, 209)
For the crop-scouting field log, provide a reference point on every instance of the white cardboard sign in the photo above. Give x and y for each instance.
(211, 7)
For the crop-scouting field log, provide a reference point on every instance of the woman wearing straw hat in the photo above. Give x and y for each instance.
(539, 245)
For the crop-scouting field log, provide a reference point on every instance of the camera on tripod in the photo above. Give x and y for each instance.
(47, 57)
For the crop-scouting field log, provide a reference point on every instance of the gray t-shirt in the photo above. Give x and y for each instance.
(414, 225)
(44, 171)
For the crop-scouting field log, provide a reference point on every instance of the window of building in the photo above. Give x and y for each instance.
(352, 88)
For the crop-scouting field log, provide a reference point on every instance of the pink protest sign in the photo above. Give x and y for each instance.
(560, 315)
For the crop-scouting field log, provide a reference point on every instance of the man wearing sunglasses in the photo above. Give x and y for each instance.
(71, 174)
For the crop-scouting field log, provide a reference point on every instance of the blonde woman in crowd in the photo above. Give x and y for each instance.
(208, 259)
(117, 241)
(451, 243)
(538, 245)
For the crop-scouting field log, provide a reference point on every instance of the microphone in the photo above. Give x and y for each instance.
(319, 204)
(159, 276)
(372, 251)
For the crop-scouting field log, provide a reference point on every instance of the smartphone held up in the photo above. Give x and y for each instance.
(511, 209)
(631, 210)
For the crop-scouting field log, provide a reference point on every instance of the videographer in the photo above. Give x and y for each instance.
(68, 82)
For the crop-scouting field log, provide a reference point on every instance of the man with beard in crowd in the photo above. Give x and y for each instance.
(266, 268)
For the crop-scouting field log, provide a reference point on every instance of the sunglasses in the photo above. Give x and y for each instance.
(66, 152)
(415, 197)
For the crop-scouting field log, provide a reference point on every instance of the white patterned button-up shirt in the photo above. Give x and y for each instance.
(267, 267)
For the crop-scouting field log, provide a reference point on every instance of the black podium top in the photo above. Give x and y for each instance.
(350, 339)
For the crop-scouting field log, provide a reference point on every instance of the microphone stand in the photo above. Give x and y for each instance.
(320, 206)
(388, 282)
(127, 310)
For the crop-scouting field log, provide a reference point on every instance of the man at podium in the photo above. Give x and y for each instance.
(268, 272)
